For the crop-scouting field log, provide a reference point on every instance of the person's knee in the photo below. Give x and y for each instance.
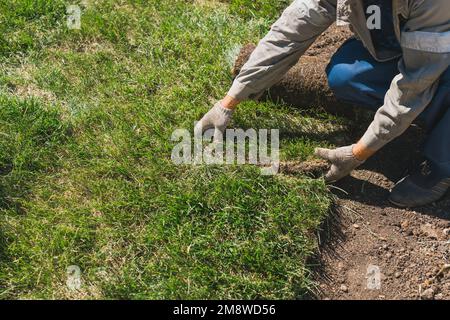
(340, 78)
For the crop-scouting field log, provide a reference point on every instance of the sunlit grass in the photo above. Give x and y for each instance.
(86, 178)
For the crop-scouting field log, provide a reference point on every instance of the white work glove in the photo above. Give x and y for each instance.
(218, 118)
(342, 160)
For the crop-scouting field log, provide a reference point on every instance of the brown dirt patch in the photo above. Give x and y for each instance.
(312, 168)
(411, 248)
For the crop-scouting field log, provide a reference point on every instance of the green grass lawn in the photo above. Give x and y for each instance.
(86, 177)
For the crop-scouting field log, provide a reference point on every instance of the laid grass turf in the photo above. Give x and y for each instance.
(86, 178)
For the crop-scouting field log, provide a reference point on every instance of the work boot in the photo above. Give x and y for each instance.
(419, 189)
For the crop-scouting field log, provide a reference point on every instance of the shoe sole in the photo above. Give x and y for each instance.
(409, 207)
(446, 185)
(398, 204)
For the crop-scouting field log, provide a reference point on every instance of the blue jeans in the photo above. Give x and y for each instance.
(356, 77)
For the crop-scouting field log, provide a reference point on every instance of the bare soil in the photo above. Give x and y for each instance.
(411, 247)
(313, 168)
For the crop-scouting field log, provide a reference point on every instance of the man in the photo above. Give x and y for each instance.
(400, 70)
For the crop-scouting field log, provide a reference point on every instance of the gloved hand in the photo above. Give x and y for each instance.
(218, 118)
(342, 160)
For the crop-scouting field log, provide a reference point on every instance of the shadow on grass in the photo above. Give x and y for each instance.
(3, 245)
(331, 237)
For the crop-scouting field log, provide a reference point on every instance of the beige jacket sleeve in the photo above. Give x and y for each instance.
(298, 27)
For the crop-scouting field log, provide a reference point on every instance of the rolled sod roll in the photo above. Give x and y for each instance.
(305, 85)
